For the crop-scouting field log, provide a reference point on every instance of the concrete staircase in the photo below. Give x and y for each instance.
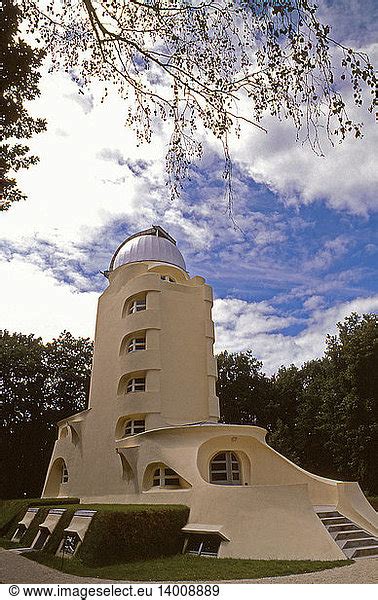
(353, 541)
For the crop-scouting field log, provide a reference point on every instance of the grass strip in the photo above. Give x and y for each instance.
(187, 568)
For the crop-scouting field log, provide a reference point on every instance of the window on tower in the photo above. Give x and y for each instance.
(137, 343)
(135, 426)
(136, 384)
(137, 305)
(167, 278)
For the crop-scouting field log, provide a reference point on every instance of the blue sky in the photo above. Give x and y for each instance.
(303, 254)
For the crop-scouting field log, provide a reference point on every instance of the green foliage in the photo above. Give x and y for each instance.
(7, 544)
(188, 568)
(19, 83)
(117, 533)
(39, 385)
(242, 388)
(140, 533)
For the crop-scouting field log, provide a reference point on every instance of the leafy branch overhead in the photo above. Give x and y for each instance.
(210, 63)
(19, 84)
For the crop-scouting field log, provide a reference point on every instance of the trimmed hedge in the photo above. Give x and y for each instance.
(141, 533)
(117, 533)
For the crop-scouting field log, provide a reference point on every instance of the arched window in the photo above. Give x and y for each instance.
(136, 384)
(167, 278)
(136, 305)
(134, 426)
(137, 343)
(225, 469)
(165, 477)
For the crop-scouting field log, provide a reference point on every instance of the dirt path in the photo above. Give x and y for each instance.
(18, 569)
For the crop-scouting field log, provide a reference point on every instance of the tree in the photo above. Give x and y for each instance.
(19, 84)
(207, 63)
(39, 385)
(242, 388)
(351, 401)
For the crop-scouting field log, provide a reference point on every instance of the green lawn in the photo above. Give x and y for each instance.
(188, 568)
(5, 543)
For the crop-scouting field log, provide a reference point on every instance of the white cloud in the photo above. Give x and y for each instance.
(332, 250)
(33, 302)
(345, 178)
(241, 325)
(73, 187)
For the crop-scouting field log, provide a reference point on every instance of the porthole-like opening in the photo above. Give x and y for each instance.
(225, 469)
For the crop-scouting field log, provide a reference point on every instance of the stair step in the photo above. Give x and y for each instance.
(346, 527)
(335, 521)
(328, 513)
(352, 534)
(371, 551)
(361, 543)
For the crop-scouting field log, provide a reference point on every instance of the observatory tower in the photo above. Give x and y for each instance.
(151, 433)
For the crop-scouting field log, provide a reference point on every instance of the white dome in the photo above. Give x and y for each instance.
(153, 244)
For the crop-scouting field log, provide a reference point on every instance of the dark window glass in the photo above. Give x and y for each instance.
(225, 468)
(194, 543)
(71, 541)
(202, 544)
(211, 545)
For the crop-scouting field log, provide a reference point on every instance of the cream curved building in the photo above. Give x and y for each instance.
(151, 432)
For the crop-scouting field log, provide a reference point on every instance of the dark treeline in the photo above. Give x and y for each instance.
(323, 415)
(39, 385)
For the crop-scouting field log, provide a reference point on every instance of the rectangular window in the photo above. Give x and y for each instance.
(65, 476)
(136, 344)
(165, 477)
(70, 543)
(203, 544)
(134, 427)
(137, 305)
(137, 384)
